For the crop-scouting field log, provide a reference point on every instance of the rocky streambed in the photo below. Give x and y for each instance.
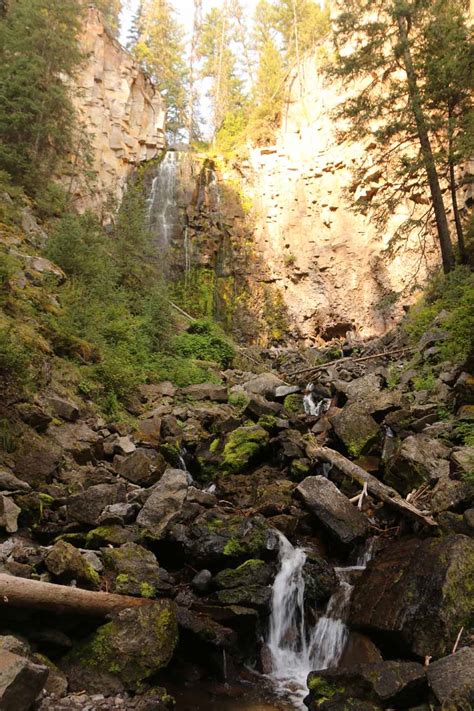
(214, 543)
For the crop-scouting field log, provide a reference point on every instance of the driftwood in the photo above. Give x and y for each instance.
(374, 486)
(348, 359)
(36, 595)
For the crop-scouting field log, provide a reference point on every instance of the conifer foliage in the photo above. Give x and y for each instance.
(38, 49)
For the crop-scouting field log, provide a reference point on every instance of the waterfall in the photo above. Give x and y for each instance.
(296, 647)
(163, 211)
(311, 406)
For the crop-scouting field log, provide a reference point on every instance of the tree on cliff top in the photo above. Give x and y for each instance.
(380, 51)
(158, 44)
(38, 47)
(110, 10)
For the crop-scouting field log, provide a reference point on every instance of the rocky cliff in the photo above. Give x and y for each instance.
(330, 261)
(121, 113)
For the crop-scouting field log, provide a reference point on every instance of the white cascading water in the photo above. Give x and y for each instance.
(296, 648)
(314, 407)
(163, 211)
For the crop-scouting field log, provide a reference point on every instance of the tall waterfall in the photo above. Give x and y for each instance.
(164, 216)
(295, 646)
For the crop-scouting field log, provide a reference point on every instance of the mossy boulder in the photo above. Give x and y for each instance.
(293, 404)
(134, 570)
(417, 594)
(113, 535)
(241, 447)
(252, 572)
(320, 580)
(134, 646)
(66, 563)
(252, 595)
(356, 429)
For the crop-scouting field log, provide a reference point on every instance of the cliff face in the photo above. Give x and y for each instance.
(120, 111)
(330, 263)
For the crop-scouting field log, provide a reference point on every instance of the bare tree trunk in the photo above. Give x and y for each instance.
(452, 187)
(447, 254)
(197, 21)
(36, 595)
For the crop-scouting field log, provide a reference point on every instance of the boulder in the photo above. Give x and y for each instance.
(206, 391)
(201, 582)
(37, 459)
(450, 494)
(356, 428)
(194, 624)
(451, 680)
(134, 570)
(66, 563)
(20, 682)
(282, 391)
(132, 647)
(264, 384)
(320, 580)
(361, 389)
(149, 430)
(164, 504)
(252, 572)
(416, 594)
(258, 596)
(389, 683)
(143, 467)
(9, 513)
(9, 482)
(77, 438)
(242, 446)
(87, 506)
(464, 389)
(332, 509)
(418, 459)
(123, 446)
(463, 458)
(34, 416)
(65, 409)
(259, 406)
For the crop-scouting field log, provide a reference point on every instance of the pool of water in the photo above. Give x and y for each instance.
(222, 697)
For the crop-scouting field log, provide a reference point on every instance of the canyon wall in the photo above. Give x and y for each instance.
(330, 262)
(121, 114)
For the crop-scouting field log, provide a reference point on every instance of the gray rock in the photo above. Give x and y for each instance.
(264, 384)
(201, 582)
(119, 513)
(124, 446)
(165, 503)
(361, 388)
(418, 459)
(204, 498)
(258, 406)
(20, 682)
(356, 428)
(15, 645)
(469, 518)
(283, 390)
(9, 482)
(9, 513)
(87, 506)
(449, 494)
(333, 509)
(65, 409)
(34, 415)
(464, 459)
(143, 467)
(206, 391)
(135, 571)
(464, 389)
(452, 679)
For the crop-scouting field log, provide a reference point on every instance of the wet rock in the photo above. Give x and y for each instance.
(252, 595)
(359, 650)
(418, 459)
(66, 563)
(9, 513)
(451, 680)
(416, 595)
(201, 582)
(143, 467)
(206, 391)
(20, 682)
(135, 571)
(165, 503)
(320, 580)
(334, 510)
(87, 506)
(134, 646)
(65, 409)
(205, 629)
(398, 684)
(356, 428)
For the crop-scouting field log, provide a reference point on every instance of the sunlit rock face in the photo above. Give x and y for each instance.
(120, 111)
(330, 262)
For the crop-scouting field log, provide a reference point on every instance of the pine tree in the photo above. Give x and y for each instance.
(192, 123)
(448, 64)
(158, 44)
(38, 48)
(302, 24)
(110, 10)
(378, 52)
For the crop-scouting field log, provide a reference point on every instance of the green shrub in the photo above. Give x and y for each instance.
(14, 355)
(181, 371)
(203, 341)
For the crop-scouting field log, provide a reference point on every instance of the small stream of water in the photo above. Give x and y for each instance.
(295, 646)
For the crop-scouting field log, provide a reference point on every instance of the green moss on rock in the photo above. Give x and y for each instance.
(242, 446)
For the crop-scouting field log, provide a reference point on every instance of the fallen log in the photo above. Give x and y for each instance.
(375, 487)
(349, 359)
(36, 595)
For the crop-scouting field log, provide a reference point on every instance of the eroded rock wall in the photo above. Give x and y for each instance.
(121, 113)
(330, 262)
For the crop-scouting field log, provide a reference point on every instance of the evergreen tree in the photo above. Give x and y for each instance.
(267, 93)
(379, 49)
(448, 58)
(302, 24)
(110, 10)
(38, 48)
(157, 42)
